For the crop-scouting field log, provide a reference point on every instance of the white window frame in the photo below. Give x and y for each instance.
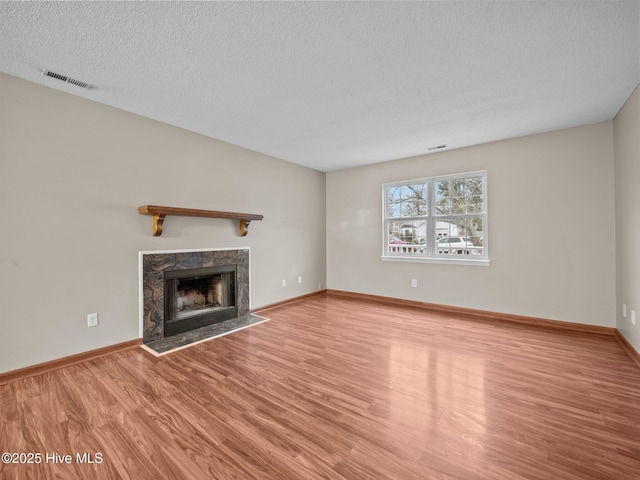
(428, 253)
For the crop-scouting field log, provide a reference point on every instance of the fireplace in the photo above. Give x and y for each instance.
(198, 297)
(181, 291)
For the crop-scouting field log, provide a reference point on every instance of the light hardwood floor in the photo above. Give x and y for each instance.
(340, 388)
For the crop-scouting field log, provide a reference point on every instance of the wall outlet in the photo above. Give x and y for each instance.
(633, 317)
(299, 278)
(284, 282)
(92, 320)
(414, 283)
(624, 310)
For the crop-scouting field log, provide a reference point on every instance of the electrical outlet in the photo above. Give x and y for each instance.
(299, 278)
(284, 282)
(633, 317)
(414, 283)
(92, 320)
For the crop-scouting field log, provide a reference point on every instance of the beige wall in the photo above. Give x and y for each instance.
(626, 127)
(551, 229)
(72, 174)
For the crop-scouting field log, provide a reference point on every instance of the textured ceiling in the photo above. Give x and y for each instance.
(332, 85)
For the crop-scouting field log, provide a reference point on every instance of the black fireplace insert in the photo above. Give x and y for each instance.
(198, 297)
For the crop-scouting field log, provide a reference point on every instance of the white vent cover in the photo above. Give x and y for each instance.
(64, 78)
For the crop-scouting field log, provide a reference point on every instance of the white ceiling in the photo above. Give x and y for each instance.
(333, 85)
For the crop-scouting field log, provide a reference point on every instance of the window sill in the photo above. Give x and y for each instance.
(483, 262)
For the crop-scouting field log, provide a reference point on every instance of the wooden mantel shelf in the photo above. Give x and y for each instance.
(160, 212)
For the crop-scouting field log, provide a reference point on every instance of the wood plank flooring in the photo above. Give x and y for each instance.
(339, 388)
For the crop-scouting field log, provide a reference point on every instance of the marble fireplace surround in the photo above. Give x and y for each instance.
(153, 264)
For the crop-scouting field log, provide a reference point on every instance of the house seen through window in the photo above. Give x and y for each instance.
(436, 219)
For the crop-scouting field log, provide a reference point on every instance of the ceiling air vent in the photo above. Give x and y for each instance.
(64, 78)
(438, 147)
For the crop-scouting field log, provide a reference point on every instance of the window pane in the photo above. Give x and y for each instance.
(445, 202)
(394, 200)
(459, 236)
(442, 190)
(458, 187)
(475, 186)
(475, 204)
(413, 200)
(407, 237)
(407, 201)
(443, 206)
(461, 196)
(475, 231)
(459, 206)
(394, 210)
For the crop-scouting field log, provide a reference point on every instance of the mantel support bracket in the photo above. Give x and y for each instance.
(156, 226)
(244, 227)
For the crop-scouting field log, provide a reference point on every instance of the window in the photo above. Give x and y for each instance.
(437, 219)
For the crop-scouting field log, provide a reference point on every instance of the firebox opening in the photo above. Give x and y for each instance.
(199, 297)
